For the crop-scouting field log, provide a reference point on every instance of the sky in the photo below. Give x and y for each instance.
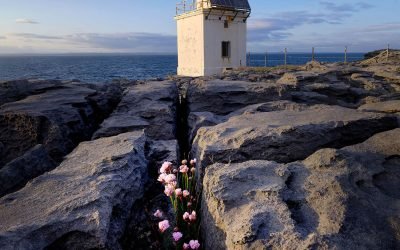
(147, 26)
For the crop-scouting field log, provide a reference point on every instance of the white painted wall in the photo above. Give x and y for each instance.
(190, 30)
(200, 42)
(215, 33)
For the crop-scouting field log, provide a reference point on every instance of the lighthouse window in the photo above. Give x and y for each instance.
(226, 49)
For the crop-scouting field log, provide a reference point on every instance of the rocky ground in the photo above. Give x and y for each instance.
(303, 157)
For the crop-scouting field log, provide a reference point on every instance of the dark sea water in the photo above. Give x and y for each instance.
(102, 68)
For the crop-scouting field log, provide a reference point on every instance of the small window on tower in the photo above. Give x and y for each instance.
(226, 24)
(226, 49)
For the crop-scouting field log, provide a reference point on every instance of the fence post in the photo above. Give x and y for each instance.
(387, 53)
(312, 57)
(285, 57)
(345, 54)
(266, 58)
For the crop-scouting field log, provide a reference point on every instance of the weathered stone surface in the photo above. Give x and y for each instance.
(312, 98)
(18, 172)
(315, 66)
(82, 204)
(369, 83)
(150, 106)
(331, 89)
(197, 120)
(384, 107)
(335, 199)
(11, 91)
(298, 77)
(269, 107)
(285, 136)
(58, 118)
(241, 201)
(223, 97)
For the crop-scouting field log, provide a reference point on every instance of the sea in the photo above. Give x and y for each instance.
(105, 68)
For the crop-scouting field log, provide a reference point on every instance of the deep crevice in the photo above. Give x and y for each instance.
(141, 229)
(182, 126)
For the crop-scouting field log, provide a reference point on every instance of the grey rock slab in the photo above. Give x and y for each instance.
(197, 120)
(370, 84)
(161, 151)
(392, 106)
(312, 98)
(58, 118)
(11, 91)
(335, 199)
(298, 77)
(84, 203)
(18, 172)
(150, 106)
(331, 89)
(222, 97)
(285, 136)
(240, 201)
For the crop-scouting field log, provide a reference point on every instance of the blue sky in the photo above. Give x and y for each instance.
(77, 26)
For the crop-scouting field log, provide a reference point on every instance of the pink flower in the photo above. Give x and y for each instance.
(168, 191)
(163, 225)
(177, 236)
(186, 246)
(166, 166)
(178, 192)
(186, 216)
(183, 169)
(158, 214)
(192, 162)
(189, 204)
(172, 185)
(170, 178)
(186, 193)
(192, 217)
(161, 178)
(194, 244)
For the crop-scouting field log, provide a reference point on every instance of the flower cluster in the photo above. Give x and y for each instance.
(180, 187)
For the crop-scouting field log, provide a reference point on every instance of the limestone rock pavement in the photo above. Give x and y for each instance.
(150, 106)
(83, 203)
(285, 136)
(331, 200)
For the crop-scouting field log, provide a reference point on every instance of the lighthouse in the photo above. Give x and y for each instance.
(211, 36)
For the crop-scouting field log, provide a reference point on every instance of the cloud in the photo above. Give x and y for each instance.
(104, 42)
(34, 36)
(3, 37)
(26, 21)
(126, 41)
(331, 6)
(381, 28)
(278, 26)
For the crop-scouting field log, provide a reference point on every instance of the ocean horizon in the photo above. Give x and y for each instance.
(104, 67)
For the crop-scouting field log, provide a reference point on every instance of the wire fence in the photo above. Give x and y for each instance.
(293, 58)
(277, 59)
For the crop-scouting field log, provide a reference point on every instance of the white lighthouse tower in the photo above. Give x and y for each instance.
(211, 36)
